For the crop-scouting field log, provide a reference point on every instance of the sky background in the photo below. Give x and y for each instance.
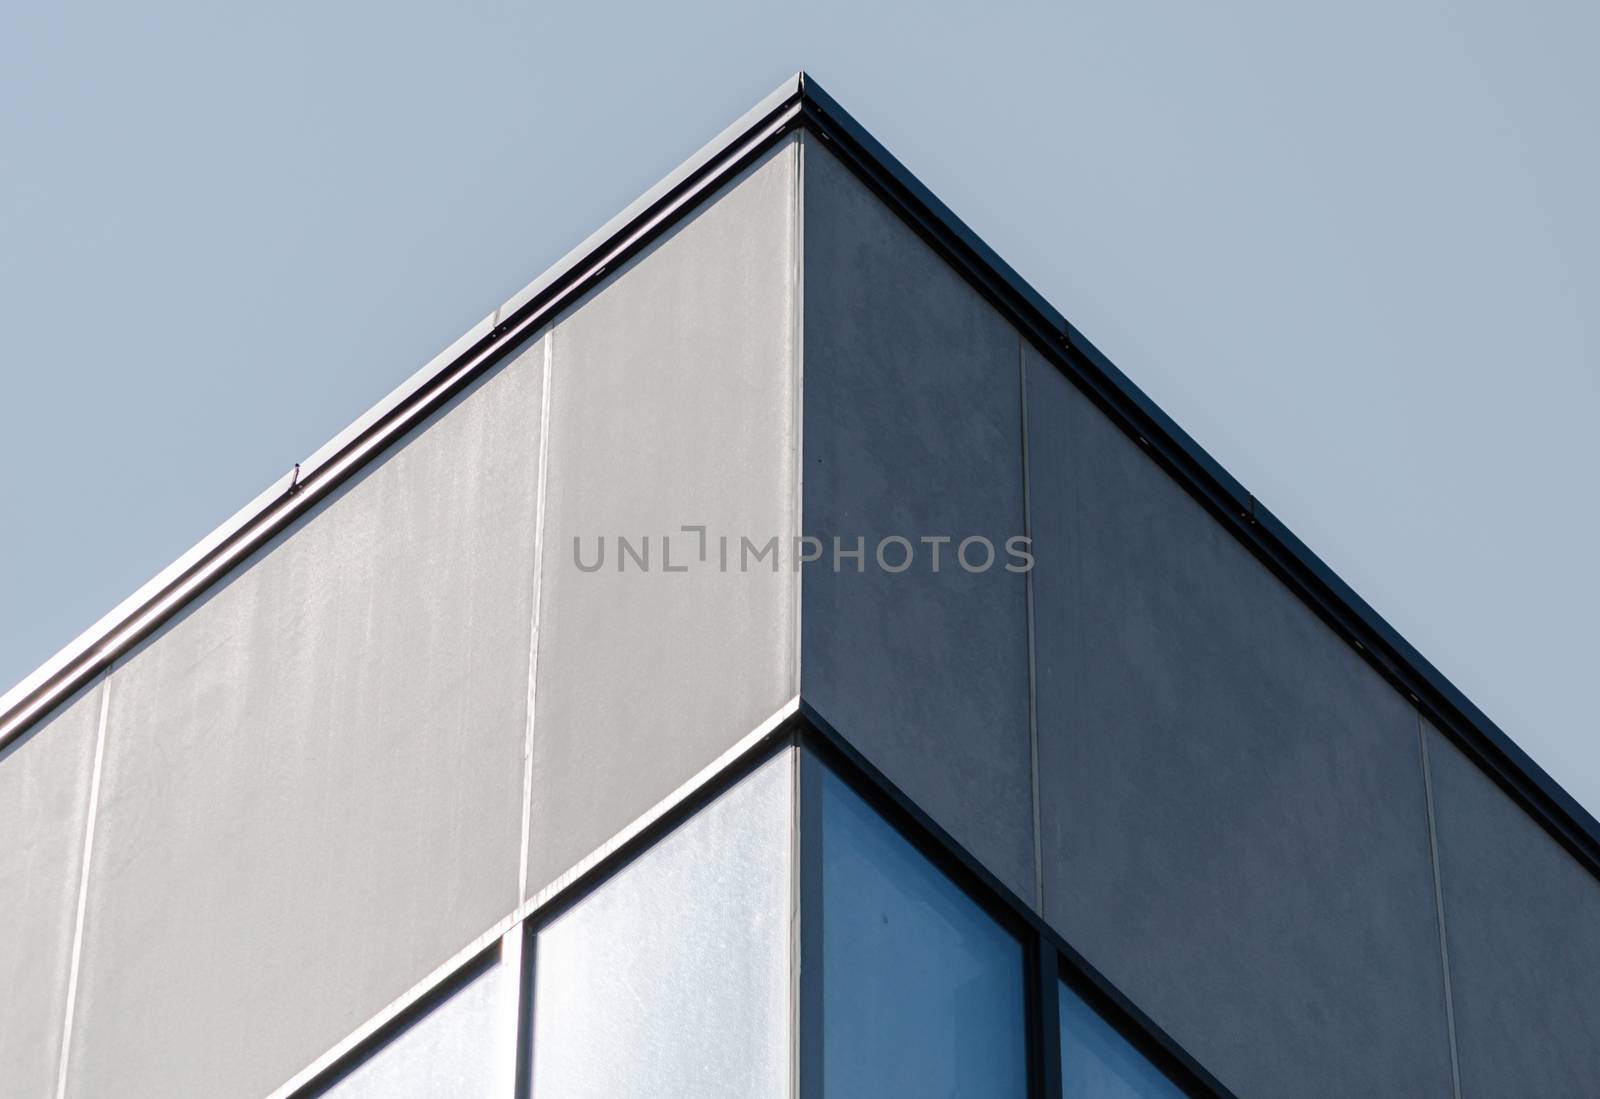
(1352, 247)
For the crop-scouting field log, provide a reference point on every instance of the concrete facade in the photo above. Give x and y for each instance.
(913, 428)
(1523, 930)
(672, 404)
(46, 780)
(403, 722)
(1230, 797)
(312, 789)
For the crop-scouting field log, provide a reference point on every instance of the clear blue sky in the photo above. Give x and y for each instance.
(1353, 247)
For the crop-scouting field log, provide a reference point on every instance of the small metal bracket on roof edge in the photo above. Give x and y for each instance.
(294, 481)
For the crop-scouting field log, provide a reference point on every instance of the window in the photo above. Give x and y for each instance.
(677, 975)
(672, 978)
(1097, 1062)
(465, 1045)
(922, 990)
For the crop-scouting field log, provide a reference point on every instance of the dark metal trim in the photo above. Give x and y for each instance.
(1187, 462)
(781, 737)
(480, 963)
(1044, 1016)
(523, 1087)
(1132, 1024)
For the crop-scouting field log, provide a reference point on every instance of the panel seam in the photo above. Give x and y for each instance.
(797, 883)
(1438, 905)
(79, 919)
(1027, 588)
(797, 372)
(542, 480)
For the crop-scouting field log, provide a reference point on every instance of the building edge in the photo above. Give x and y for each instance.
(799, 102)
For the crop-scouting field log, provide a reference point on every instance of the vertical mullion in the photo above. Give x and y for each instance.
(512, 970)
(1044, 1048)
(808, 914)
(524, 1079)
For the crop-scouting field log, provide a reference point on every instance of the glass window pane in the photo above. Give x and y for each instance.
(1099, 1063)
(922, 990)
(466, 1046)
(672, 978)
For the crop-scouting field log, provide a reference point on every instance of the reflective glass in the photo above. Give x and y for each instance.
(922, 990)
(672, 978)
(1099, 1063)
(466, 1046)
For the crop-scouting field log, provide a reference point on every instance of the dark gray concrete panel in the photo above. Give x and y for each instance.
(912, 428)
(44, 806)
(1233, 817)
(312, 788)
(672, 404)
(1523, 924)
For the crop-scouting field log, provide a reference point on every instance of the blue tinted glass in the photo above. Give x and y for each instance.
(922, 991)
(1099, 1063)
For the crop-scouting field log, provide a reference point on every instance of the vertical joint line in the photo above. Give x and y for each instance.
(541, 480)
(1438, 905)
(799, 880)
(83, 883)
(1027, 588)
(797, 400)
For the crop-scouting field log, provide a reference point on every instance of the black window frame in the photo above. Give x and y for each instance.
(1048, 958)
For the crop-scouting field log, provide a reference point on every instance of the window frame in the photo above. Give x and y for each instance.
(381, 1038)
(1047, 957)
(818, 763)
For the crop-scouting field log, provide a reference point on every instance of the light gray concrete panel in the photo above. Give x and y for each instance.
(1522, 919)
(672, 403)
(913, 429)
(1233, 817)
(312, 788)
(44, 806)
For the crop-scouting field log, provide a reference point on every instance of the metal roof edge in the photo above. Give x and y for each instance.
(801, 101)
(476, 351)
(552, 275)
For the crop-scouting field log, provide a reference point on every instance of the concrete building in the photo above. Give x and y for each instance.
(775, 654)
